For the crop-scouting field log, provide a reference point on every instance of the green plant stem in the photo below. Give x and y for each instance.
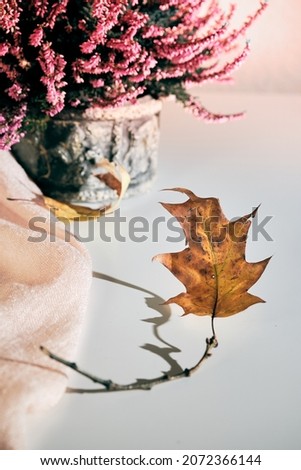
(146, 384)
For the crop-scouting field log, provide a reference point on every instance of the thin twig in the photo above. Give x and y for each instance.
(73, 366)
(145, 384)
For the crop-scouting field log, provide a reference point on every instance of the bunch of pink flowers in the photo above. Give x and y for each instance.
(82, 53)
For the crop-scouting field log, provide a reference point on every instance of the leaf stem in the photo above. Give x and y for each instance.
(213, 328)
(140, 384)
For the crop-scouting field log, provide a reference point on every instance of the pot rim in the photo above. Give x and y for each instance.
(145, 106)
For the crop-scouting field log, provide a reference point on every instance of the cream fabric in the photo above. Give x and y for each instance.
(44, 288)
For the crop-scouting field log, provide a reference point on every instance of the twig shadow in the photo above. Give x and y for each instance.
(157, 303)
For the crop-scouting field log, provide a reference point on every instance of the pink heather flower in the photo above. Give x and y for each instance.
(91, 65)
(153, 31)
(11, 121)
(82, 25)
(75, 103)
(53, 65)
(107, 12)
(4, 48)
(40, 7)
(229, 68)
(97, 83)
(88, 47)
(199, 111)
(241, 31)
(9, 71)
(9, 15)
(35, 39)
(56, 10)
(120, 99)
(15, 92)
(56, 98)
(111, 52)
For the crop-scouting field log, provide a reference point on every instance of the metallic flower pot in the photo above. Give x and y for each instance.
(61, 153)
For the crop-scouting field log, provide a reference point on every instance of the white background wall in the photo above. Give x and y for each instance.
(275, 60)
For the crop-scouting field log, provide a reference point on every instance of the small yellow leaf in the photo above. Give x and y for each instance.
(119, 180)
(62, 210)
(119, 175)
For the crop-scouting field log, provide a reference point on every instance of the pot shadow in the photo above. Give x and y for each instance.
(155, 302)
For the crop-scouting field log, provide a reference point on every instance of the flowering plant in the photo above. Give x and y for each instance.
(82, 53)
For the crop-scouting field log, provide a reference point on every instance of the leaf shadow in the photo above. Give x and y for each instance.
(155, 302)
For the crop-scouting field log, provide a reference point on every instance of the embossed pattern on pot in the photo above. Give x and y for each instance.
(61, 154)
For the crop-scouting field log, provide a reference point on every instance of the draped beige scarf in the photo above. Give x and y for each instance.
(44, 288)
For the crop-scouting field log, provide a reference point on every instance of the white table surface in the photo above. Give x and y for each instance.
(248, 395)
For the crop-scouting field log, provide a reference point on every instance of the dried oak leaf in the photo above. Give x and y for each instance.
(213, 267)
